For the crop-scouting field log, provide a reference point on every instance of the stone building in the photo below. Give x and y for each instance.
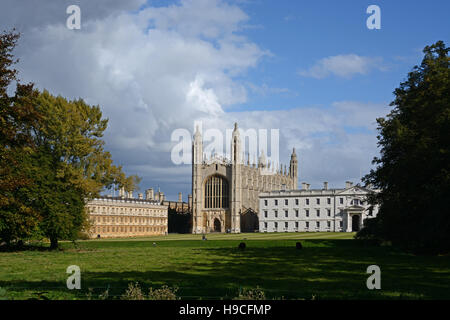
(225, 191)
(125, 216)
(337, 210)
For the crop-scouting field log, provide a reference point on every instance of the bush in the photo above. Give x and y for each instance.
(241, 246)
(83, 236)
(298, 245)
(133, 292)
(251, 294)
(163, 293)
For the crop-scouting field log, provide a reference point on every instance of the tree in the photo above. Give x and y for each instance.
(413, 170)
(18, 219)
(52, 159)
(73, 165)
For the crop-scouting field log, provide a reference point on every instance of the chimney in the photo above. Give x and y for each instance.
(130, 194)
(141, 196)
(122, 192)
(325, 185)
(190, 201)
(161, 197)
(304, 186)
(157, 196)
(307, 186)
(348, 184)
(180, 197)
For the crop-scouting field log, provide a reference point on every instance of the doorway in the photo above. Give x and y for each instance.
(355, 223)
(217, 225)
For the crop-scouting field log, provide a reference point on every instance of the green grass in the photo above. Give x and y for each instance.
(330, 266)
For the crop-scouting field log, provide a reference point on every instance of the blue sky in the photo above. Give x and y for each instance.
(311, 69)
(299, 33)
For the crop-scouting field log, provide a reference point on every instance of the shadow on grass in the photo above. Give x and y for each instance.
(326, 269)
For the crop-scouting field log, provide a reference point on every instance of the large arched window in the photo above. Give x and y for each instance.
(216, 192)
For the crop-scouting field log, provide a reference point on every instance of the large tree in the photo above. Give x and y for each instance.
(52, 159)
(18, 219)
(73, 164)
(413, 169)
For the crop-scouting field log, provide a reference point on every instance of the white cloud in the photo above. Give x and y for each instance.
(344, 66)
(160, 69)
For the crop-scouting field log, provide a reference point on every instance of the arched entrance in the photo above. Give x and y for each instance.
(355, 222)
(249, 221)
(217, 225)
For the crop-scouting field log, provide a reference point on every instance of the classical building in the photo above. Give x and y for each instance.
(125, 216)
(337, 210)
(225, 191)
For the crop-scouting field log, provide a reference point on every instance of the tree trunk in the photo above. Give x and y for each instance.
(53, 243)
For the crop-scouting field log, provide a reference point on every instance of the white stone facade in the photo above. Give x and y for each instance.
(315, 210)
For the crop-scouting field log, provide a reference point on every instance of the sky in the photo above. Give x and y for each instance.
(311, 69)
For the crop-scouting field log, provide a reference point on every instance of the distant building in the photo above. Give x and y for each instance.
(125, 216)
(336, 210)
(225, 191)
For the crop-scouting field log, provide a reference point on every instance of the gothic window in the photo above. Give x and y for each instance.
(216, 192)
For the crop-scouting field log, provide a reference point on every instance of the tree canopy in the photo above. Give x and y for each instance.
(413, 169)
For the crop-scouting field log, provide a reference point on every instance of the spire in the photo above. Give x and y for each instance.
(262, 160)
(236, 130)
(236, 152)
(197, 134)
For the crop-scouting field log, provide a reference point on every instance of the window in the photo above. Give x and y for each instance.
(286, 213)
(307, 201)
(276, 202)
(341, 200)
(355, 201)
(328, 224)
(216, 192)
(296, 213)
(276, 214)
(329, 201)
(276, 225)
(296, 202)
(329, 212)
(307, 224)
(286, 225)
(318, 224)
(265, 225)
(317, 201)
(265, 214)
(296, 224)
(307, 212)
(286, 202)
(265, 202)
(340, 224)
(318, 212)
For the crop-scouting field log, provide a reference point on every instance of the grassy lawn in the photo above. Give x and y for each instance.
(330, 266)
